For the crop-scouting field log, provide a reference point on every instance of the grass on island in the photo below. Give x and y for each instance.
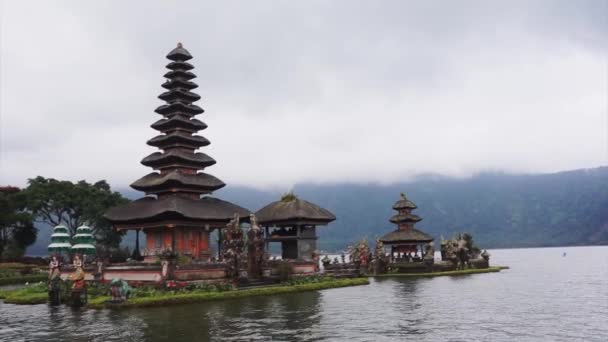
(446, 273)
(144, 297)
(204, 296)
(18, 273)
(30, 294)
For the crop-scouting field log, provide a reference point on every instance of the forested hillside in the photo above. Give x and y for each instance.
(500, 210)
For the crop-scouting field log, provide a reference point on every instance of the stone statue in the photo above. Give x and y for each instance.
(462, 253)
(430, 251)
(232, 247)
(326, 261)
(54, 283)
(257, 256)
(79, 285)
(379, 258)
(164, 269)
(120, 290)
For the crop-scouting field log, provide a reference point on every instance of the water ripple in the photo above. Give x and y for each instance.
(542, 297)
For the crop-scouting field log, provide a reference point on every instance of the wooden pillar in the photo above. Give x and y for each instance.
(219, 243)
(267, 236)
(297, 241)
(173, 240)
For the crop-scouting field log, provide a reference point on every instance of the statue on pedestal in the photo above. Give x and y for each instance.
(257, 256)
(79, 286)
(119, 290)
(379, 258)
(232, 248)
(54, 283)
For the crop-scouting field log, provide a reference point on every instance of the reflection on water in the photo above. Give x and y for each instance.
(544, 297)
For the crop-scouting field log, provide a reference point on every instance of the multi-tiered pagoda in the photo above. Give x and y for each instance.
(406, 240)
(177, 214)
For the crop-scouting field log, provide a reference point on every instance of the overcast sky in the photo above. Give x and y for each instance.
(307, 91)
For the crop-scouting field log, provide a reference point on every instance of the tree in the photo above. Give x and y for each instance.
(17, 229)
(73, 204)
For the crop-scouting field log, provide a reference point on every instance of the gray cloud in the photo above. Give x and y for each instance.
(308, 91)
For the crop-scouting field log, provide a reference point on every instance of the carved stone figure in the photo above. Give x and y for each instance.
(232, 247)
(120, 290)
(79, 286)
(326, 261)
(379, 258)
(257, 256)
(54, 283)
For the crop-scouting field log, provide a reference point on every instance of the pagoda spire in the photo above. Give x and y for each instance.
(178, 165)
(404, 219)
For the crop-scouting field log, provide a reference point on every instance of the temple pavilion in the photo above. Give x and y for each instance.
(292, 222)
(177, 214)
(406, 240)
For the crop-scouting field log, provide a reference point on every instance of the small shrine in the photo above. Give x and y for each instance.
(293, 222)
(60, 241)
(84, 242)
(412, 250)
(177, 215)
(406, 242)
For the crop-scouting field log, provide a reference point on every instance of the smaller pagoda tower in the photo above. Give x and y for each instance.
(406, 239)
(84, 242)
(60, 240)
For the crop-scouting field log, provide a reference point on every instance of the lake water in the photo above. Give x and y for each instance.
(545, 296)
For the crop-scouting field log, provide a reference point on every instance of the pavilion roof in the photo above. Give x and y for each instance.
(405, 218)
(175, 158)
(406, 236)
(199, 182)
(293, 210)
(404, 203)
(176, 207)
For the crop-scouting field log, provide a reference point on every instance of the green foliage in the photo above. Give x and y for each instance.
(29, 294)
(17, 229)
(22, 279)
(73, 204)
(288, 197)
(169, 298)
(309, 279)
(154, 296)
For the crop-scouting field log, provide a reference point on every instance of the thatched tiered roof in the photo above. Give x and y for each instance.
(405, 220)
(291, 210)
(178, 183)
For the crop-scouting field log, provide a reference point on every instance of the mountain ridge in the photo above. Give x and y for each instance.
(501, 210)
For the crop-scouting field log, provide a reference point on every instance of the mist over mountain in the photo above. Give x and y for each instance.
(500, 210)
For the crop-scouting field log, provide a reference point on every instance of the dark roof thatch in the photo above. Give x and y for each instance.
(179, 83)
(292, 210)
(406, 236)
(179, 54)
(179, 107)
(186, 75)
(178, 139)
(179, 94)
(405, 218)
(150, 209)
(177, 158)
(180, 66)
(179, 121)
(199, 182)
(404, 203)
